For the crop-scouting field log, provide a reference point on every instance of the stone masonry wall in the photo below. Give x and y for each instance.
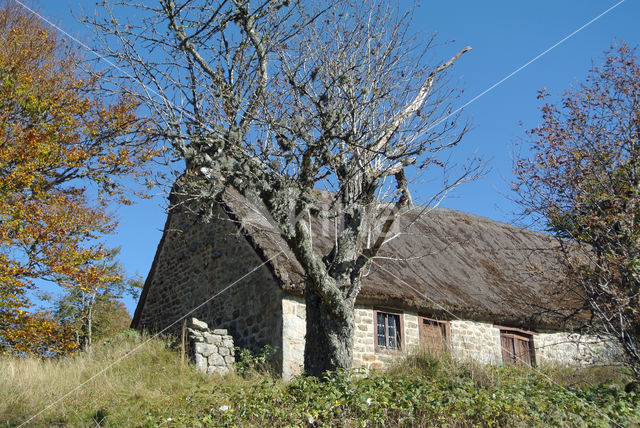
(293, 332)
(570, 348)
(210, 351)
(478, 341)
(470, 340)
(364, 352)
(197, 261)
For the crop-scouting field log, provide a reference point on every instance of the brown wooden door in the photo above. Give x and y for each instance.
(433, 335)
(508, 352)
(522, 350)
(516, 348)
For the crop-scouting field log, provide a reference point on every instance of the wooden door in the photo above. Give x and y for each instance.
(508, 351)
(433, 335)
(522, 350)
(516, 348)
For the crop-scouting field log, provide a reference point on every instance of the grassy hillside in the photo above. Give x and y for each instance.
(152, 387)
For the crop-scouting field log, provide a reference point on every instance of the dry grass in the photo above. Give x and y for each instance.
(146, 383)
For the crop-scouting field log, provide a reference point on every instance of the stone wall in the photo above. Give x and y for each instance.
(364, 352)
(195, 267)
(571, 348)
(210, 351)
(293, 332)
(469, 340)
(478, 341)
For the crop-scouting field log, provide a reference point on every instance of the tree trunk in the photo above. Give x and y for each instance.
(89, 327)
(329, 339)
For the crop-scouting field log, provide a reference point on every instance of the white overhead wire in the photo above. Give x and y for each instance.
(525, 65)
(66, 34)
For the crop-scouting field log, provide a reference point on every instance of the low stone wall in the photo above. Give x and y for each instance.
(211, 351)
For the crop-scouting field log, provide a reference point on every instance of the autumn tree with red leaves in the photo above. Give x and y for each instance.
(63, 155)
(583, 180)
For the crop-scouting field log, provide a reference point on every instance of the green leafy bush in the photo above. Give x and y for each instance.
(517, 397)
(254, 362)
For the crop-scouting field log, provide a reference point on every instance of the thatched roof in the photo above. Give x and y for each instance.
(442, 263)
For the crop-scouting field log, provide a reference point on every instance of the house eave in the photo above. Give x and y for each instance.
(430, 309)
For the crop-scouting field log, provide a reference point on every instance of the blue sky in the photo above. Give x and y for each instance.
(504, 36)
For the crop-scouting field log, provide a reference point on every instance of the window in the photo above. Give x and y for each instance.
(388, 331)
(517, 347)
(434, 335)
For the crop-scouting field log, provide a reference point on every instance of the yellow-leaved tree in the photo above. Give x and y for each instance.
(64, 153)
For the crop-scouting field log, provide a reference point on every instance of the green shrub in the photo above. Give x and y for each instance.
(382, 399)
(260, 362)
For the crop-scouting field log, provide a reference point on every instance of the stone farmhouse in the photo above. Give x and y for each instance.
(449, 280)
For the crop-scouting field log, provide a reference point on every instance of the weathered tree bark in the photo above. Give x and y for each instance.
(329, 339)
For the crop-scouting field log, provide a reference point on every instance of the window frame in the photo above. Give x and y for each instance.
(444, 324)
(517, 334)
(384, 311)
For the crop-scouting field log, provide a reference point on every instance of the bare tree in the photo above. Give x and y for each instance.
(279, 101)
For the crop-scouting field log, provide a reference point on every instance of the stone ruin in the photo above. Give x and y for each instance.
(211, 351)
